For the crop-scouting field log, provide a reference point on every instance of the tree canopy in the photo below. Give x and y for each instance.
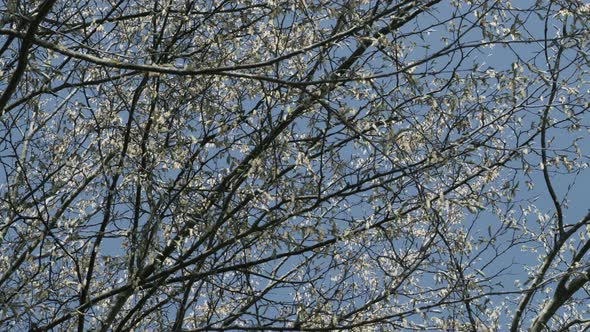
(183, 165)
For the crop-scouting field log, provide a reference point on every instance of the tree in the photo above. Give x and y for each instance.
(293, 165)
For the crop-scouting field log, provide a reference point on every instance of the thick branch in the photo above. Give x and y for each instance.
(23, 54)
